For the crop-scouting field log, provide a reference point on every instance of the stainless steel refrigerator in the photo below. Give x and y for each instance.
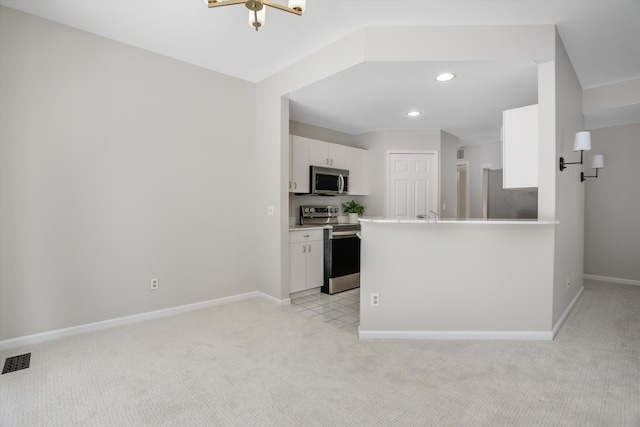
(500, 203)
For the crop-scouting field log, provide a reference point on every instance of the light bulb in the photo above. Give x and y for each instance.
(445, 77)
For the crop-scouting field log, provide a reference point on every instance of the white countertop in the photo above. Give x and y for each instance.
(431, 221)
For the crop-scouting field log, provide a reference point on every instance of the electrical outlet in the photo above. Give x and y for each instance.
(375, 299)
(154, 283)
(271, 210)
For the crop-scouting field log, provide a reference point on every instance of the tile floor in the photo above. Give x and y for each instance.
(341, 310)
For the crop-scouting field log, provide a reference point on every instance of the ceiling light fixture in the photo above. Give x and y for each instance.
(257, 10)
(445, 77)
(414, 113)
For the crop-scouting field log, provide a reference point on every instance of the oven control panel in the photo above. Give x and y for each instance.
(319, 215)
(319, 211)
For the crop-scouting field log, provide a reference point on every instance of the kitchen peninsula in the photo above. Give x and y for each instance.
(457, 279)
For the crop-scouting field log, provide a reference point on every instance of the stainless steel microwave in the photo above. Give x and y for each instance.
(329, 181)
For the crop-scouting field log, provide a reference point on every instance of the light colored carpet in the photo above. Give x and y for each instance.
(252, 363)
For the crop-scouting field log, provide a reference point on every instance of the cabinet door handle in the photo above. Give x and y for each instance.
(304, 249)
(326, 161)
(306, 235)
(309, 248)
(331, 162)
(289, 185)
(295, 185)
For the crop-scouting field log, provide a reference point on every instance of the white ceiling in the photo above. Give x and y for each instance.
(602, 38)
(373, 96)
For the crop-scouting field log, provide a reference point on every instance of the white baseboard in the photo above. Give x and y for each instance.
(475, 335)
(273, 300)
(458, 335)
(564, 316)
(612, 279)
(305, 293)
(105, 324)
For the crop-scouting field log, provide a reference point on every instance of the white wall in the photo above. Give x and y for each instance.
(117, 165)
(457, 278)
(612, 205)
(374, 142)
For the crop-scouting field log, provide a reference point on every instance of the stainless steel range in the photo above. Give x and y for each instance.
(341, 247)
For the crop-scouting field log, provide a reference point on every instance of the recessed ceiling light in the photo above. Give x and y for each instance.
(414, 113)
(445, 77)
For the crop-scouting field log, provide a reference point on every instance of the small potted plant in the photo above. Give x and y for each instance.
(354, 210)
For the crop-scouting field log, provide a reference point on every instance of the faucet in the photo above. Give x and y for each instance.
(435, 215)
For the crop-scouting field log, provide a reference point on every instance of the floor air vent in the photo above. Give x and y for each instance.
(16, 363)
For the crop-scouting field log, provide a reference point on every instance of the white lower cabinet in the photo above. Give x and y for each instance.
(306, 260)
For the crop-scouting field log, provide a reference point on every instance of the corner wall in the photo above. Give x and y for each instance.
(272, 157)
(569, 191)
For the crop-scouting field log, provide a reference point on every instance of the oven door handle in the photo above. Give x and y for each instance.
(343, 234)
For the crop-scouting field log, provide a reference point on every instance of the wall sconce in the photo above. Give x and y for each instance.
(581, 143)
(596, 163)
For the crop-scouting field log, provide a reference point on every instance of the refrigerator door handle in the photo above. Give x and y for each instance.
(485, 193)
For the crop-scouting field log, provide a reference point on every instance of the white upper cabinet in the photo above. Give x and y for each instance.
(307, 152)
(358, 167)
(322, 153)
(337, 156)
(299, 179)
(520, 147)
(290, 163)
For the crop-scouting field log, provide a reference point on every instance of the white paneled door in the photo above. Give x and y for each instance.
(413, 184)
